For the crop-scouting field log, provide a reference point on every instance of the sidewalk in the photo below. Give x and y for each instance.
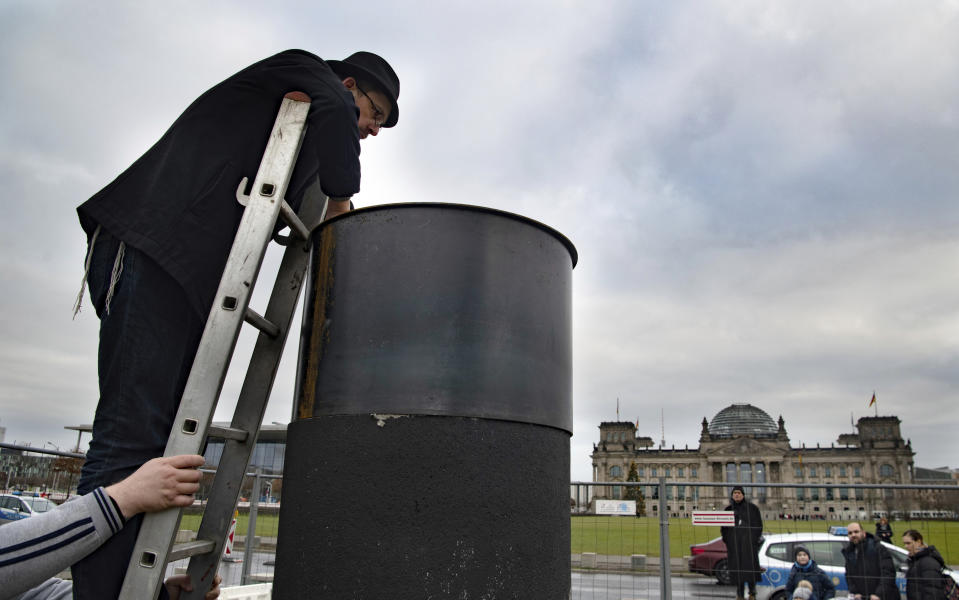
(615, 562)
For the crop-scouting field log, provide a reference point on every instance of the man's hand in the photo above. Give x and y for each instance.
(873, 597)
(182, 582)
(337, 206)
(159, 484)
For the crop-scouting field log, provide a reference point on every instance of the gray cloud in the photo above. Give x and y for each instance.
(761, 195)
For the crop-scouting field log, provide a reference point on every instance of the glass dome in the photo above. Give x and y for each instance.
(742, 419)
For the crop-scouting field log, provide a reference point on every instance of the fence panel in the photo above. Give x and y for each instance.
(628, 540)
(604, 547)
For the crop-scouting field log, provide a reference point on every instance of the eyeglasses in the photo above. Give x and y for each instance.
(379, 117)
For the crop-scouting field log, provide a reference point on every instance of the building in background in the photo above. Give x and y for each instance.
(37, 472)
(742, 444)
(268, 452)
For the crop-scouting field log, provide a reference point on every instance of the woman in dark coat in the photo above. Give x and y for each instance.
(884, 530)
(742, 544)
(924, 577)
(806, 569)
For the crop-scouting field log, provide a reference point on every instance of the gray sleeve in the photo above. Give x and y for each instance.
(38, 547)
(51, 589)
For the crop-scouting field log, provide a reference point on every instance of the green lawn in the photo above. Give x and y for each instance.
(266, 524)
(627, 535)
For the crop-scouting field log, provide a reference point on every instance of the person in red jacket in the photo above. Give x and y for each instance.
(160, 233)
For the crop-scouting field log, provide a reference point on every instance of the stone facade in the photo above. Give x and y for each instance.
(742, 444)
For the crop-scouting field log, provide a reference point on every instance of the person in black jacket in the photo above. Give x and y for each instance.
(884, 530)
(806, 569)
(924, 579)
(160, 233)
(742, 544)
(870, 572)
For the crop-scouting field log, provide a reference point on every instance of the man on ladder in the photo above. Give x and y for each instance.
(160, 233)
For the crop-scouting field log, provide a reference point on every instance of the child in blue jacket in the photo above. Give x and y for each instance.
(805, 568)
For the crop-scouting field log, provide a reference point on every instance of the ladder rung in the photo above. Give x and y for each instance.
(228, 433)
(254, 319)
(291, 219)
(188, 549)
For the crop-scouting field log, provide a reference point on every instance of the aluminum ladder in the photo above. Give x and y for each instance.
(155, 542)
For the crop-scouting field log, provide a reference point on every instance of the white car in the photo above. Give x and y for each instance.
(776, 558)
(14, 508)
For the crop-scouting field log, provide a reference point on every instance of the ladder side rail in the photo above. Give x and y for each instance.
(148, 562)
(249, 544)
(312, 221)
(251, 405)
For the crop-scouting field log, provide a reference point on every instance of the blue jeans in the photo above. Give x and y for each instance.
(147, 343)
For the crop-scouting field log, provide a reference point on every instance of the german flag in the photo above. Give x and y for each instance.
(873, 401)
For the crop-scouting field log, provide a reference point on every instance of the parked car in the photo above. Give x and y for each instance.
(776, 558)
(13, 507)
(709, 559)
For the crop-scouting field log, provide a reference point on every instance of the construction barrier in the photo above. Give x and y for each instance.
(228, 554)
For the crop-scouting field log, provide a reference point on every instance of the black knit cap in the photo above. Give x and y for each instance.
(739, 489)
(801, 548)
(367, 66)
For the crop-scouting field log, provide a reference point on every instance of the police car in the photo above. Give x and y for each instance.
(776, 558)
(14, 508)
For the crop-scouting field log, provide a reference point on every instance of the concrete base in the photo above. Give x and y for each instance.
(413, 507)
(185, 535)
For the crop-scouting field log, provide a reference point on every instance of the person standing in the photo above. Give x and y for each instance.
(870, 572)
(884, 530)
(806, 569)
(159, 236)
(742, 541)
(924, 579)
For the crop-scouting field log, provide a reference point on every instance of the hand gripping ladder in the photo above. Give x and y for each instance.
(154, 546)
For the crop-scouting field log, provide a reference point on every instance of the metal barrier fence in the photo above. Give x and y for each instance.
(659, 553)
(613, 557)
(249, 558)
(32, 472)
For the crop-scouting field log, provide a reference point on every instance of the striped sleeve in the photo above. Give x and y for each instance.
(40, 546)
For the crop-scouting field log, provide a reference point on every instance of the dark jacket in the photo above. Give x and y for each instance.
(884, 532)
(822, 587)
(743, 541)
(870, 570)
(177, 202)
(924, 579)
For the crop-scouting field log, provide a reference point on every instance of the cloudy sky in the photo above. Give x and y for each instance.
(763, 195)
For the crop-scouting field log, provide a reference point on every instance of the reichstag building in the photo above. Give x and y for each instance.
(743, 444)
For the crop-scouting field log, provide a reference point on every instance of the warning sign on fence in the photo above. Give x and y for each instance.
(616, 507)
(228, 554)
(713, 517)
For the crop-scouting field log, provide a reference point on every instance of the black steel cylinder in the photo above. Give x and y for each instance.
(429, 456)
